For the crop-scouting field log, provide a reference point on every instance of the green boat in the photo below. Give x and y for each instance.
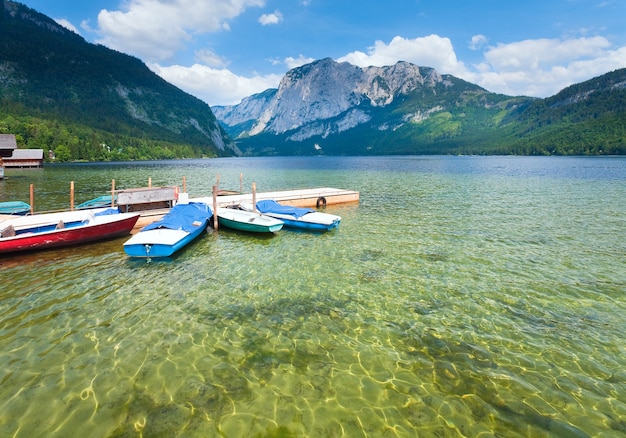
(253, 222)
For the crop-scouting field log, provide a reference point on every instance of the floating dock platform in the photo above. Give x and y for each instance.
(313, 198)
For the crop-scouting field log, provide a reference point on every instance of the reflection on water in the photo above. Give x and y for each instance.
(462, 296)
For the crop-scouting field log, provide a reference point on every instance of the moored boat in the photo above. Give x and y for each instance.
(14, 207)
(297, 217)
(174, 231)
(50, 230)
(249, 221)
(99, 202)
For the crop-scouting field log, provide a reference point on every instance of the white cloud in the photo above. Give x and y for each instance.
(478, 42)
(543, 67)
(154, 30)
(274, 18)
(215, 86)
(430, 51)
(540, 53)
(297, 62)
(210, 58)
(66, 24)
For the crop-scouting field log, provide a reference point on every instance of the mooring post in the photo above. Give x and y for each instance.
(112, 193)
(184, 184)
(150, 182)
(253, 196)
(215, 207)
(71, 195)
(32, 199)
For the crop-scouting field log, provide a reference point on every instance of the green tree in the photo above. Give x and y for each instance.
(62, 153)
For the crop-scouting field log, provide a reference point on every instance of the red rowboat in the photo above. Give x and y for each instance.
(25, 233)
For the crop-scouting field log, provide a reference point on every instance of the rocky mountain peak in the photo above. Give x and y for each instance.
(324, 90)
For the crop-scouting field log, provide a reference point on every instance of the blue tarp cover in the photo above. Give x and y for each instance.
(107, 212)
(182, 217)
(269, 206)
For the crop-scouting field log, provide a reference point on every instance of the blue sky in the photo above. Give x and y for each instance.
(224, 50)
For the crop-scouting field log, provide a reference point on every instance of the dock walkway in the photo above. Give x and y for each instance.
(317, 197)
(314, 198)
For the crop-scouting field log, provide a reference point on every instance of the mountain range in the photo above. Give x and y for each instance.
(87, 102)
(327, 107)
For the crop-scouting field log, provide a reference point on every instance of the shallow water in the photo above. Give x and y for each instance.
(462, 296)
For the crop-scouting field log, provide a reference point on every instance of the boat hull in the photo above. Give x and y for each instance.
(248, 221)
(175, 230)
(160, 242)
(302, 219)
(308, 226)
(101, 228)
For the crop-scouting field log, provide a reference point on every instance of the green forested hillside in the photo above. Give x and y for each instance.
(58, 90)
(585, 118)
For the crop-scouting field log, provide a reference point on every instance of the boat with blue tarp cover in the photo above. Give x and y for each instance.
(297, 217)
(175, 230)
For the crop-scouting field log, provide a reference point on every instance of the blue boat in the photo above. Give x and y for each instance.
(174, 231)
(14, 207)
(99, 202)
(297, 217)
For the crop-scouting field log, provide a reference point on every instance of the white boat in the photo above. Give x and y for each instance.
(250, 221)
(296, 217)
(175, 230)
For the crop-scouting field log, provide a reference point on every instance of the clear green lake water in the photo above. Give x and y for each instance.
(461, 297)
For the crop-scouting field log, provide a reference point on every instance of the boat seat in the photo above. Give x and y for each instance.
(8, 232)
(60, 225)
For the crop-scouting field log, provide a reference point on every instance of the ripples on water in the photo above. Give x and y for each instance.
(460, 297)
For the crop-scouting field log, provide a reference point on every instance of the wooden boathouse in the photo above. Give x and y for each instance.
(11, 156)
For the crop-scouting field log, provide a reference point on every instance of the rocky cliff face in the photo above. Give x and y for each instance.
(326, 97)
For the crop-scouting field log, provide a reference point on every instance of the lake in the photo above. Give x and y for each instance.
(461, 297)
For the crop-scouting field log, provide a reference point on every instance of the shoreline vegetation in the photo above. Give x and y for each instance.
(72, 142)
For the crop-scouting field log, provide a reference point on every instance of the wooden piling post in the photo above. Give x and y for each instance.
(150, 182)
(32, 199)
(184, 184)
(112, 193)
(215, 207)
(253, 196)
(71, 195)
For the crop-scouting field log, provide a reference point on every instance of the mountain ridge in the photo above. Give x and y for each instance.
(405, 108)
(52, 72)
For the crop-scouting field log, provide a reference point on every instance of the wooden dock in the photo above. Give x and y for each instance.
(314, 198)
